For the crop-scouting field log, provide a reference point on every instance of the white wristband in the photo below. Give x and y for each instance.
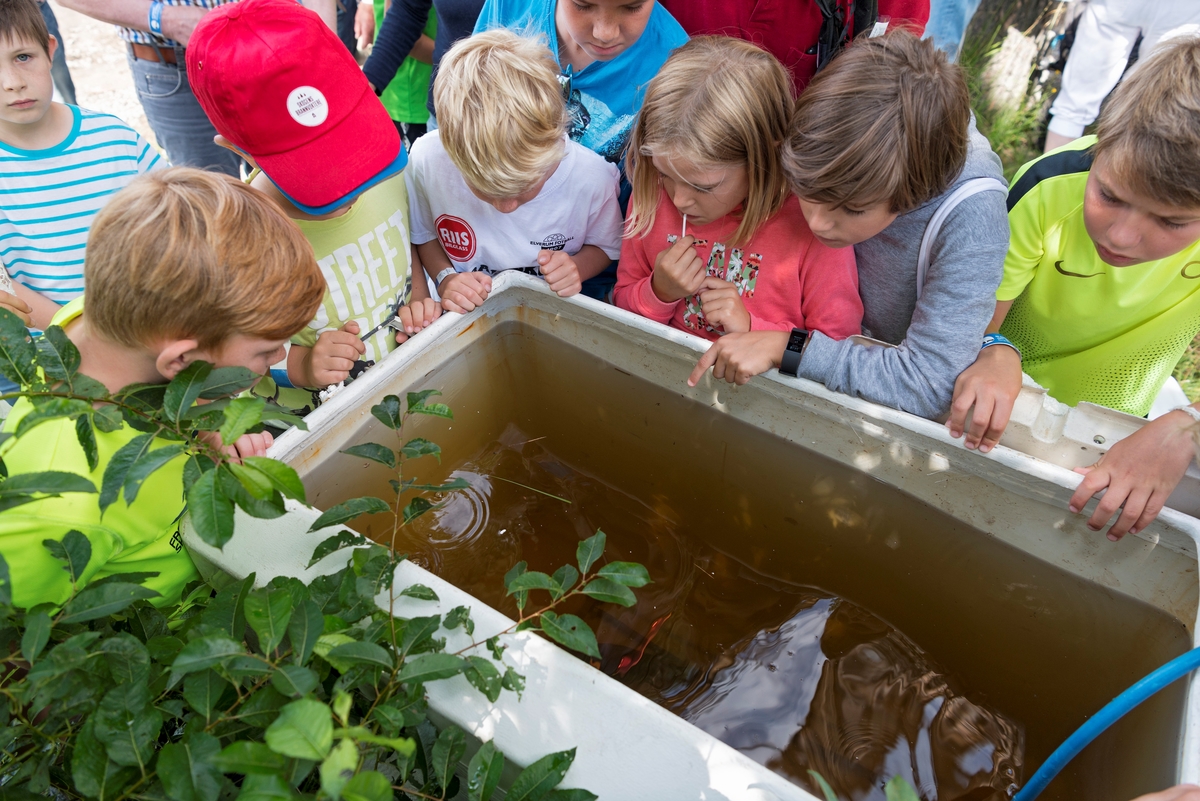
(443, 275)
(1190, 411)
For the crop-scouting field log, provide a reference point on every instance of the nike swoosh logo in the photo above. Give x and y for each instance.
(1058, 266)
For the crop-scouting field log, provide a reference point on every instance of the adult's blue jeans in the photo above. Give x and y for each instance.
(58, 67)
(178, 121)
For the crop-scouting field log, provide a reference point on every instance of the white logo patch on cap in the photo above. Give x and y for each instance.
(307, 106)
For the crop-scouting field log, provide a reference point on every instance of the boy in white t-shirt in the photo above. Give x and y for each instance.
(499, 186)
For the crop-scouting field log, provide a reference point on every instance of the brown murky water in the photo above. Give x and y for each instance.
(802, 612)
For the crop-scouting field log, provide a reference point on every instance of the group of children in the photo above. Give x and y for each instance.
(569, 137)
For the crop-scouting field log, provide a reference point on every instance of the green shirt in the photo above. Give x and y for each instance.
(405, 96)
(137, 538)
(1089, 331)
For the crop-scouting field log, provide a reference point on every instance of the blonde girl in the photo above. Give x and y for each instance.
(715, 242)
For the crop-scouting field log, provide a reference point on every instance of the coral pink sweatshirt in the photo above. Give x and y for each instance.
(786, 278)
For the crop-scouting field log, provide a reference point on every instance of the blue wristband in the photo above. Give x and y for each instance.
(998, 339)
(156, 9)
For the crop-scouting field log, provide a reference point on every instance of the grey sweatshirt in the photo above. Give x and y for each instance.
(939, 336)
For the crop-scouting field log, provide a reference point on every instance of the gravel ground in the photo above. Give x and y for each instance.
(96, 58)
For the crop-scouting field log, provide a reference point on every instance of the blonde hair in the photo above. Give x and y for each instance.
(500, 111)
(717, 102)
(1149, 131)
(886, 121)
(182, 253)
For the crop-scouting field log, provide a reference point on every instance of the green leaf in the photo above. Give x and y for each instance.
(897, 789)
(631, 574)
(227, 610)
(608, 591)
(447, 750)
(128, 659)
(565, 577)
(373, 451)
(484, 677)
(570, 632)
(343, 539)
(128, 725)
(338, 768)
(348, 510)
(294, 681)
(145, 465)
(244, 756)
(304, 730)
(515, 572)
(75, 551)
(56, 354)
(21, 488)
(17, 351)
(826, 790)
(5, 583)
(282, 477)
(184, 389)
(431, 667)
(420, 592)
(533, 580)
(203, 692)
(590, 550)
(188, 769)
(457, 483)
(107, 419)
(266, 787)
(211, 510)
(87, 441)
(417, 507)
(251, 481)
(419, 446)
(483, 772)
(46, 409)
(306, 625)
(202, 654)
(363, 653)
(226, 381)
(368, 785)
(541, 777)
(103, 600)
(268, 613)
(460, 616)
(275, 414)
(93, 774)
(262, 708)
(417, 399)
(119, 466)
(387, 411)
(418, 403)
(37, 634)
(241, 415)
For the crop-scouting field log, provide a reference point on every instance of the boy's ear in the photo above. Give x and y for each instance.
(225, 143)
(175, 355)
(52, 47)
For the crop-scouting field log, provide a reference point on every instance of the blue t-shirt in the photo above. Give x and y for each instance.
(605, 95)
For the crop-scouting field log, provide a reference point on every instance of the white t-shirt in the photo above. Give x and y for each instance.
(576, 207)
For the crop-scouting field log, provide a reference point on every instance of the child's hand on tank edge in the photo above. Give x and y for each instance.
(416, 316)
(678, 271)
(334, 354)
(723, 305)
(243, 446)
(16, 306)
(737, 358)
(991, 385)
(560, 272)
(462, 292)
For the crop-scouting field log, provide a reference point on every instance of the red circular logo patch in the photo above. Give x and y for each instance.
(457, 237)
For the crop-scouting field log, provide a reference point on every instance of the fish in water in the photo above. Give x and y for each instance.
(629, 660)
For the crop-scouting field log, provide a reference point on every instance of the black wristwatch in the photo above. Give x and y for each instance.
(790, 364)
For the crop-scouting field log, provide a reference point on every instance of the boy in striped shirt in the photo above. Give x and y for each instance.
(59, 165)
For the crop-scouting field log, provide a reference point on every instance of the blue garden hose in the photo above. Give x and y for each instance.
(1116, 709)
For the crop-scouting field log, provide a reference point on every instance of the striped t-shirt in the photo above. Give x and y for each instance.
(49, 197)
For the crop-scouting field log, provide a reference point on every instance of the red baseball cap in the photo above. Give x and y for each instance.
(278, 84)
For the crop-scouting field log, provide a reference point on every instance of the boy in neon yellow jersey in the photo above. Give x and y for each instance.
(176, 267)
(1100, 295)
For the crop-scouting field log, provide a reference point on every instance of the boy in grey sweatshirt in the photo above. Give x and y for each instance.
(880, 142)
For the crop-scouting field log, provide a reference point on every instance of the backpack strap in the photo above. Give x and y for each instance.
(934, 226)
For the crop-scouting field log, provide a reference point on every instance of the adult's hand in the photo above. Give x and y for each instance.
(1180, 792)
(179, 22)
(1139, 473)
(364, 25)
(737, 358)
(991, 385)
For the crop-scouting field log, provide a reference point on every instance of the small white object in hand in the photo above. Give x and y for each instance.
(330, 391)
(681, 236)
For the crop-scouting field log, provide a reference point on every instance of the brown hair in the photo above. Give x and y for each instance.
(182, 253)
(22, 20)
(886, 122)
(1149, 131)
(717, 102)
(501, 113)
